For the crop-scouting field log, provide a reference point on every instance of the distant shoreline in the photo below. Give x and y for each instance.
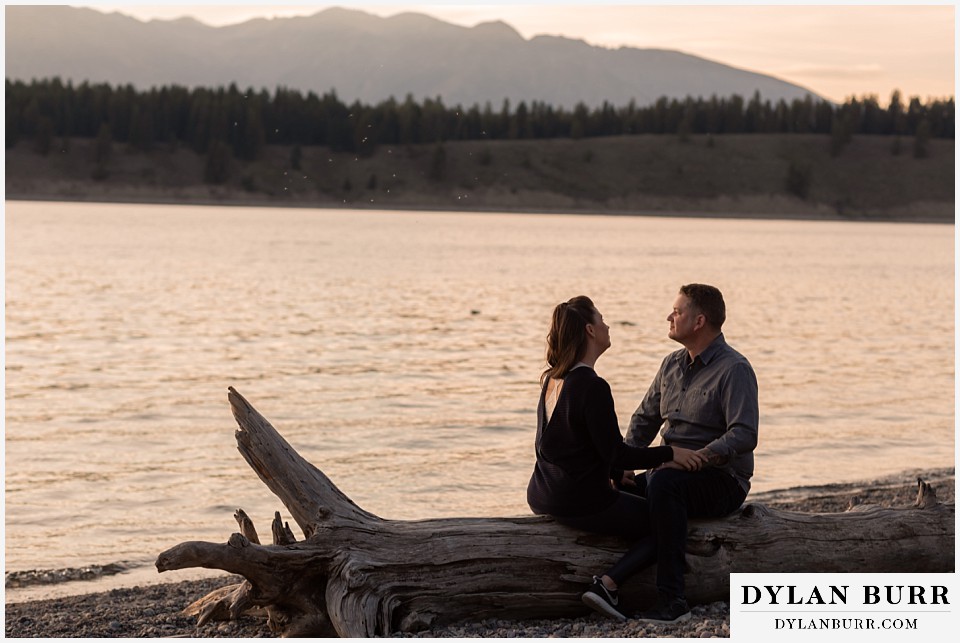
(692, 214)
(756, 177)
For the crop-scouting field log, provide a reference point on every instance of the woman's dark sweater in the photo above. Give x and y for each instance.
(578, 448)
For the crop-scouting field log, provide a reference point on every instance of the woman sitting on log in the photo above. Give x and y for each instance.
(579, 444)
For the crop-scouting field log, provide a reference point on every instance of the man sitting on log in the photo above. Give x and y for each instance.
(705, 398)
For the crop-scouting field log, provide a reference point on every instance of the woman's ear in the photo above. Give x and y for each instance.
(591, 330)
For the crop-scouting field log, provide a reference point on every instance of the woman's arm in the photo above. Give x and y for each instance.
(601, 419)
(629, 457)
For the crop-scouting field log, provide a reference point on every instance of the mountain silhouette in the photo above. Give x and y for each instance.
(363, 57)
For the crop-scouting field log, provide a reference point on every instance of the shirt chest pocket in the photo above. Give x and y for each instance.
(700, 403)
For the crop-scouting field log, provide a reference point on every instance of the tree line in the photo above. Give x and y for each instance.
(243, 122)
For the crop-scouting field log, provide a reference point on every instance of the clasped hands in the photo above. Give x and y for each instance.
(684, 459)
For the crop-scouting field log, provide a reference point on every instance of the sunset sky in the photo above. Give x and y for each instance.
(836, 51)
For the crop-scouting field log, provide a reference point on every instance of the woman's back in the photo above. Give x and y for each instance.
(575, 447)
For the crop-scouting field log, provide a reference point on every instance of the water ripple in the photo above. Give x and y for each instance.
(401, 354)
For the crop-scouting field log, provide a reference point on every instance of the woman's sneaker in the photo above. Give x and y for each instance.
(673, 611)
(603, 600)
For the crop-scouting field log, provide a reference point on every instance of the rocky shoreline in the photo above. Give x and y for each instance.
(155, 610)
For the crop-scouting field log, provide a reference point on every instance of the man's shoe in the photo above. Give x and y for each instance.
(674, 611)
(603, 600)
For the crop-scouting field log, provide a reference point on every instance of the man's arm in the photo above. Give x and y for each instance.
(646, 420)
(741, 408)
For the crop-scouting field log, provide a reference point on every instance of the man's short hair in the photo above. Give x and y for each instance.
(709, 301)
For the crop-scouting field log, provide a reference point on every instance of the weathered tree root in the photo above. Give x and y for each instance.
(358, 575)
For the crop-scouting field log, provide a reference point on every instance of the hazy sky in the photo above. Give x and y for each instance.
(836, 51)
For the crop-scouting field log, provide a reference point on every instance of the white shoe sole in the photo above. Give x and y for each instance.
(599, 605)
(679, 619)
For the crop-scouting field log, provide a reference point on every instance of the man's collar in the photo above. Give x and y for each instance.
(710, 352)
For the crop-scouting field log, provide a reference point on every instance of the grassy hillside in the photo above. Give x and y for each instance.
(732, 175)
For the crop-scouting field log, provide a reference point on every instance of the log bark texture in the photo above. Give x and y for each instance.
(357, 575)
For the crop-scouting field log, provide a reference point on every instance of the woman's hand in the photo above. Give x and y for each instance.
(686, 459)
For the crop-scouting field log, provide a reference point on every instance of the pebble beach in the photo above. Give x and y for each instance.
(156, 610)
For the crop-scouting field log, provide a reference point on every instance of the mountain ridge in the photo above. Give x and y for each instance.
(364, 57)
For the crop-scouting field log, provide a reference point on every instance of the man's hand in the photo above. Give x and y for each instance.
(685, 459)
(712, 459)
(629, 479)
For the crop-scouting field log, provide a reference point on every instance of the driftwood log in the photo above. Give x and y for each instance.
(357, 575)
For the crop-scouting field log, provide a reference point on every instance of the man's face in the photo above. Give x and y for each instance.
(682, 319)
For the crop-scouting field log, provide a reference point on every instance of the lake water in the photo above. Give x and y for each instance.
(400, 353)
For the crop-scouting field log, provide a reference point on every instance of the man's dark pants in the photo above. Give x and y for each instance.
(675, 496)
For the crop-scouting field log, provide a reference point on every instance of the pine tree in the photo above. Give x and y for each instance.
(103, 148)
(895, 116)
(296, 156)
(798, 180)
(921, 140)
(438, 163)
(43, 139)
(217, 168)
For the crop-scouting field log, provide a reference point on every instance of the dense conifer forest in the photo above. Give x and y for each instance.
(730, 156)
(227, 120)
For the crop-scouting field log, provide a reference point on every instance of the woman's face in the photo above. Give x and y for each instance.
(601, 332)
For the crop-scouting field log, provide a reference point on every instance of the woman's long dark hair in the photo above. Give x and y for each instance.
(567, 340)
